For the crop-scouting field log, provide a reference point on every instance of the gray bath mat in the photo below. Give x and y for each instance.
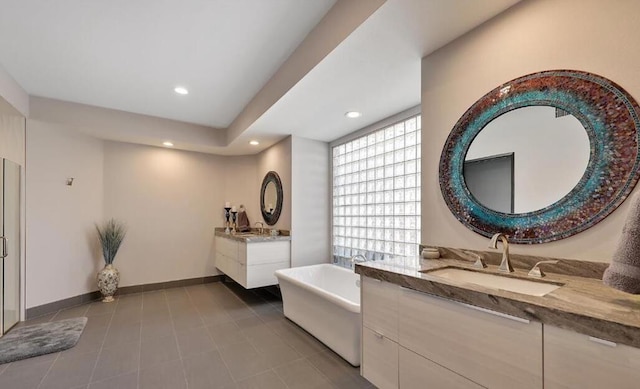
(40, 339)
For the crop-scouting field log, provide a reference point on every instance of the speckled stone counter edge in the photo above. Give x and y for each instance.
(283, 236)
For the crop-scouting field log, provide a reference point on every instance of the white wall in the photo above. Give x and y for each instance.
(532, 36)
(551, 154)
(171, 201)
(310, 240)
(62, 253)
(278, 159)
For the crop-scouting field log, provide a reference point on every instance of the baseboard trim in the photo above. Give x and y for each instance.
(70, 302)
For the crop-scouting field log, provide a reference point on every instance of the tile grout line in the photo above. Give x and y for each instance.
(95, 365)
(48, 370)
(140, 349)
(59, 352)
(217, 349)
(281, 379)
(272, 368)
(175, 336)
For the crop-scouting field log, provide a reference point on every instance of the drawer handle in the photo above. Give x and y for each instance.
(603, 342)
(504, 315)
(485, 310)
(378, 334)
(410, 290)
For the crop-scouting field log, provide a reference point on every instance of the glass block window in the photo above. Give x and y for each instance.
(376, 193)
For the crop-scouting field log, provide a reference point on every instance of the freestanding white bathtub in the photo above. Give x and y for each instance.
(325, 300)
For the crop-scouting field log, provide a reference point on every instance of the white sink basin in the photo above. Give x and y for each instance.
(494, 281)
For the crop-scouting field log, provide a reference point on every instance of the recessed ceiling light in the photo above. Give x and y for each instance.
(254, 143)
(353, 114)
(167, 144)
(181, 91)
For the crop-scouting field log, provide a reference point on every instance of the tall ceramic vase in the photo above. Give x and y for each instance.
(108, 279)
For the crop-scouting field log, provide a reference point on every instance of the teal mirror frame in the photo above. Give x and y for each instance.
(611, 118)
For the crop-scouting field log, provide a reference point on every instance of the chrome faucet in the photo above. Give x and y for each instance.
(261, 227)
(354, 259)
(505, 265)
(479, 263)
(537, 272)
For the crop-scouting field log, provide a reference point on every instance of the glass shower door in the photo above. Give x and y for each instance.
(10, 245)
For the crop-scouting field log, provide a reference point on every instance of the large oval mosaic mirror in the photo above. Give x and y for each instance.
(542, 157)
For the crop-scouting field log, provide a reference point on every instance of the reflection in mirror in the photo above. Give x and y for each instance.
(270, 197)
(549, 152)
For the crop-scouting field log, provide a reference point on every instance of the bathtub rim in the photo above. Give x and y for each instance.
(340, 301)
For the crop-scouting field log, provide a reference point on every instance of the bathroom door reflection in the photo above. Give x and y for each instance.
(10, 230)
(490, 181)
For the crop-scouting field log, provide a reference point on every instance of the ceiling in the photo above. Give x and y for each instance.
(375, 71)
(257, 69)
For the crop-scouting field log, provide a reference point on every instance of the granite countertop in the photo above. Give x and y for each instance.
(582, 304)
(254, 236)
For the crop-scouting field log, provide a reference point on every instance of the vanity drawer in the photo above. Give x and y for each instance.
(489, 348)
(573, 360)
(379, 359)
(227, 265)
(417, 372)
(227, 247)
(380, 306)
(263, 275)
(259, 253)
(241, 274)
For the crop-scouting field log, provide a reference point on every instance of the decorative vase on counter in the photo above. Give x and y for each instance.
(108, 279)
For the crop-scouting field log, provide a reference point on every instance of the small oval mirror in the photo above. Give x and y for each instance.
(271, 198)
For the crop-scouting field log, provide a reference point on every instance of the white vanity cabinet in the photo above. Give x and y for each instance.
(412, 339)
(252, 264)
(573, 360)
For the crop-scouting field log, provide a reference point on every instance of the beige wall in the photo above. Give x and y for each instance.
(242, 185)
(62, 253)
(278, 159)
(171, 201)
(536, 35)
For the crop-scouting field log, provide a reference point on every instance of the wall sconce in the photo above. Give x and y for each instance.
(69, 181)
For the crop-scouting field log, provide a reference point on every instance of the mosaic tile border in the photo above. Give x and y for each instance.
(611, 118)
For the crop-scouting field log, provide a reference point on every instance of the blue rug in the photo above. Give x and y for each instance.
(40, 339)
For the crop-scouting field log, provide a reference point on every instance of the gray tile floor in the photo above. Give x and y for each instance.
(216, 335)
